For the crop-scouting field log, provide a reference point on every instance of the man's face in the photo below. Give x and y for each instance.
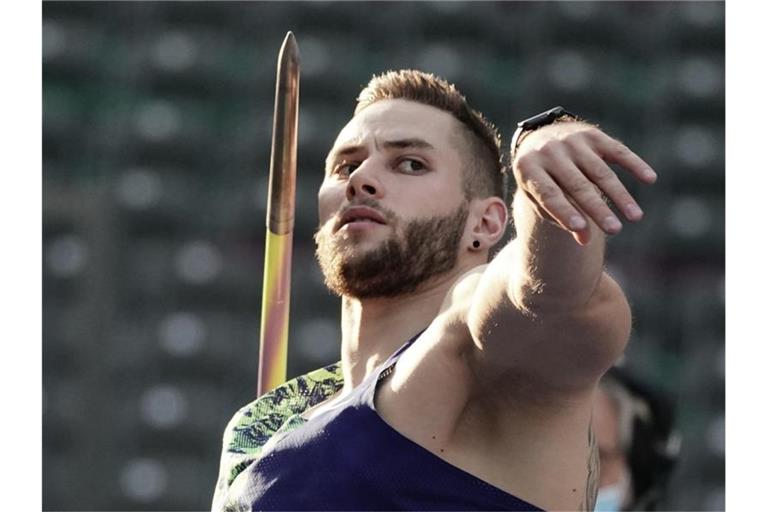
(392, 206)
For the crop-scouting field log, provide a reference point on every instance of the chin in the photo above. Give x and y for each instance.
(368, 238)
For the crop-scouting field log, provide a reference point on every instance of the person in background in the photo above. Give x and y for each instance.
(637, 443)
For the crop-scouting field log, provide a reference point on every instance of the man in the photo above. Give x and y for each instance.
(488, 403)
(637, 442)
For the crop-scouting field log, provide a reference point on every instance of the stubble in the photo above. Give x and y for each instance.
(413, 253)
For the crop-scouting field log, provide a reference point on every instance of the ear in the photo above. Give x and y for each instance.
(486, 224)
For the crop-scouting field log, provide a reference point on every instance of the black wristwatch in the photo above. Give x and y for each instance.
(532, 123)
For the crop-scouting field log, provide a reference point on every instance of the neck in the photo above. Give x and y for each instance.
(373, 329)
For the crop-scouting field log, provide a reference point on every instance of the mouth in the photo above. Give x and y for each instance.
(359, 216)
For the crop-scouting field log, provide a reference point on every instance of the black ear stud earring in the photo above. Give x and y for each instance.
(476, 244)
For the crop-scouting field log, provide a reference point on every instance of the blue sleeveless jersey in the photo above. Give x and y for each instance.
(344, 458)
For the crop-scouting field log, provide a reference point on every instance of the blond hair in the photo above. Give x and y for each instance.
(482, 175)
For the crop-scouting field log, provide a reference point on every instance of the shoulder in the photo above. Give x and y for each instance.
(254, 424)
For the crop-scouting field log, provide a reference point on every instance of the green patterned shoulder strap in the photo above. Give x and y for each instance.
(275, 412)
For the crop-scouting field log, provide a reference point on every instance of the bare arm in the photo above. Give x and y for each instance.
(544, 307)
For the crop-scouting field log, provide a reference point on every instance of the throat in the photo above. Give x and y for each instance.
(374, 328)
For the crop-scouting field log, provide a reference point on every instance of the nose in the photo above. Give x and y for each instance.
(364, 183)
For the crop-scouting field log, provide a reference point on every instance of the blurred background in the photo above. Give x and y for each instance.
(157, 121)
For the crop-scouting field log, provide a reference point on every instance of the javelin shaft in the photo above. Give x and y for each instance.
(281, 206)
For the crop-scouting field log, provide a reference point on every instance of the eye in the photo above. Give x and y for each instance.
(410, 166)
(344, 169)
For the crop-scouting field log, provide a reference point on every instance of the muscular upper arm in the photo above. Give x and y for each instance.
(558, 349)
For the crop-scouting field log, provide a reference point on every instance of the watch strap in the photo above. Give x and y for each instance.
(550, 116)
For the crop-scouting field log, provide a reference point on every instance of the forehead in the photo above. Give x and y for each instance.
(397, 120)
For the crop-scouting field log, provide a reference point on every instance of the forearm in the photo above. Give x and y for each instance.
(549, 269)
(546, 290)
(562, 214)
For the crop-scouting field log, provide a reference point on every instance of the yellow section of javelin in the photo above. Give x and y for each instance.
(273, 354)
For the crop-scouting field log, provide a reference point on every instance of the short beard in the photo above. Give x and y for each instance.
(402, 262)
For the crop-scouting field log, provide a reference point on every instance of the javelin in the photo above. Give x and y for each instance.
(281, 204)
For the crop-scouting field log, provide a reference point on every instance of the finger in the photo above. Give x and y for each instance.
(542, 189)
(585, 194)
(609, 184)
(582, 237)
(615, 152)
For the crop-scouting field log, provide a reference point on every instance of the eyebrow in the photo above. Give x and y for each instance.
(408, 143)
(413, 142)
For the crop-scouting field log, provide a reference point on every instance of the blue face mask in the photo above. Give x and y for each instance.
(610, 498)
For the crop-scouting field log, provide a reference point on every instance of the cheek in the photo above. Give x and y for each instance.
(329, 200)
(437, 197)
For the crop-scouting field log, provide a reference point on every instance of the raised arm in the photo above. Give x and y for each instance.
(544, 308)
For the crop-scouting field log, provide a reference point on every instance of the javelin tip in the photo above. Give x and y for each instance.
(290, 47)
(282, 173)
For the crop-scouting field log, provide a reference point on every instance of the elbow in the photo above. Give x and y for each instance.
(597, 331)
(608, 319)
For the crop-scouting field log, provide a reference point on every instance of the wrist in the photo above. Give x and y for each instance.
(527, 126)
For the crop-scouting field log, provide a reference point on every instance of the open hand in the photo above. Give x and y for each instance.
(563, 168)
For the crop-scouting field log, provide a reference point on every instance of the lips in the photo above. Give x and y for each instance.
(360, 214)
